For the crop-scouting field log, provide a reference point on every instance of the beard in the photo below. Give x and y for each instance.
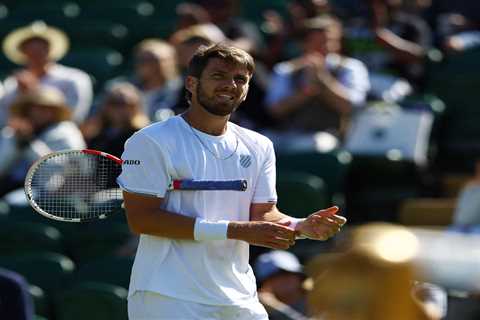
(215, 107)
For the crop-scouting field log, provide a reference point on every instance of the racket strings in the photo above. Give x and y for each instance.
(77, 186)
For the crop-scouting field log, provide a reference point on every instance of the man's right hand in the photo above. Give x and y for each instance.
(262, 233)
(26, 81)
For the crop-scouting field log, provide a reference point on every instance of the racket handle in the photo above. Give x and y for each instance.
(233, 185)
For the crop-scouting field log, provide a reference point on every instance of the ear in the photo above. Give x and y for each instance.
(191, 84)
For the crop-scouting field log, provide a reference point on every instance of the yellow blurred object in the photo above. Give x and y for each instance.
(427, 211)
(372, 280)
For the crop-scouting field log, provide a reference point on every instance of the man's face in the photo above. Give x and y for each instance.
(36, 51)
(324, 41)
(150, 65)
(222, 87)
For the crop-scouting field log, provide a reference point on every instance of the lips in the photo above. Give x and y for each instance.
(224, 97)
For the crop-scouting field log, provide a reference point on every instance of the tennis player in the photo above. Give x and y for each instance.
(192, 259)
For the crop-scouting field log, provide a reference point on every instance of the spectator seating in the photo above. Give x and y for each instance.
(300, 194)
(330, 166)
(459, 127)
(427, 211)
(376, 185)
(111, 270)
(93, 301)
(89, 241)
(21, 237)
(102, 63)
(46, 270)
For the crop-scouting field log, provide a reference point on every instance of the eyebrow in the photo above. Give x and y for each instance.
(238, 75)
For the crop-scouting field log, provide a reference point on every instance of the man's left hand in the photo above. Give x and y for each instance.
(321, 225)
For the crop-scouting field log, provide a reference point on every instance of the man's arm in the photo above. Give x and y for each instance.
(145, 217)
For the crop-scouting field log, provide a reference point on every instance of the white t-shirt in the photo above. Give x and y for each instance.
(208, 272)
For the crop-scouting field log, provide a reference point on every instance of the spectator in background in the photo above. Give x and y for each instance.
(16, 303)
(190, 14)
(281, 33)
(157, 77)
(401, 30)
(37, 47)
(448, 18)
(120, 115)
(280, 277)
(187, 40)
(244, 34)
(467, 213)
(320, 89)
(39, 123)
(458, 33)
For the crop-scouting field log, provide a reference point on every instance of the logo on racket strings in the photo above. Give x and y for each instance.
(131, 162)
(245, 160)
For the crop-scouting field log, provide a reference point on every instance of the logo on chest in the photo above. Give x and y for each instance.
(245, 160)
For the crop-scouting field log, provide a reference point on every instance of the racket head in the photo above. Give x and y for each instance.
(75, 185)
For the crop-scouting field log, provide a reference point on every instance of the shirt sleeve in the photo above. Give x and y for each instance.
(145, 168)
(354, 76)
(80, 96)
(265, 189)
(280, 86)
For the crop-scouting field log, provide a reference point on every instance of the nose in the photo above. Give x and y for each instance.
(229, 83)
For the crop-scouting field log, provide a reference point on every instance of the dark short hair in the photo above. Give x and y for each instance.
(220, 51)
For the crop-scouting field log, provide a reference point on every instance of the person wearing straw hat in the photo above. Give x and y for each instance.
(37, 47)
(39, 123)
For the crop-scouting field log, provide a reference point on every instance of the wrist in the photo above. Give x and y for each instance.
(294, 224)
(210, 230)
(234, 230)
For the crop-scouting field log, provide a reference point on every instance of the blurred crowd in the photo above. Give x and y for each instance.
(322, 66)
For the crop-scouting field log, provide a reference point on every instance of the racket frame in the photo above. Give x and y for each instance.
(40, 161)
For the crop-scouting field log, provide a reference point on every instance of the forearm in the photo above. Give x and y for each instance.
(403, 50)
(286, 106)
(335, 95)
(272, 215)
(161, 223)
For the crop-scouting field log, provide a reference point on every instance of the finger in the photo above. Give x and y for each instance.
(341, 220)
(279, 245)
(274, 227)
(324, 221)
(335, 219)
(285, 223)
(325, 232)
(289, 242)
(327, 212)
(282, 226)
(286, 235)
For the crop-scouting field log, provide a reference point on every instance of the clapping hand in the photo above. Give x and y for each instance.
(321, 225)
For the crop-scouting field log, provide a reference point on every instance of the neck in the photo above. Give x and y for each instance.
(39, 70)
(153, 83)
(204, 121)
(290, 298)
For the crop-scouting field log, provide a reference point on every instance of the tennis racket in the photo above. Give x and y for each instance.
(80, 185)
